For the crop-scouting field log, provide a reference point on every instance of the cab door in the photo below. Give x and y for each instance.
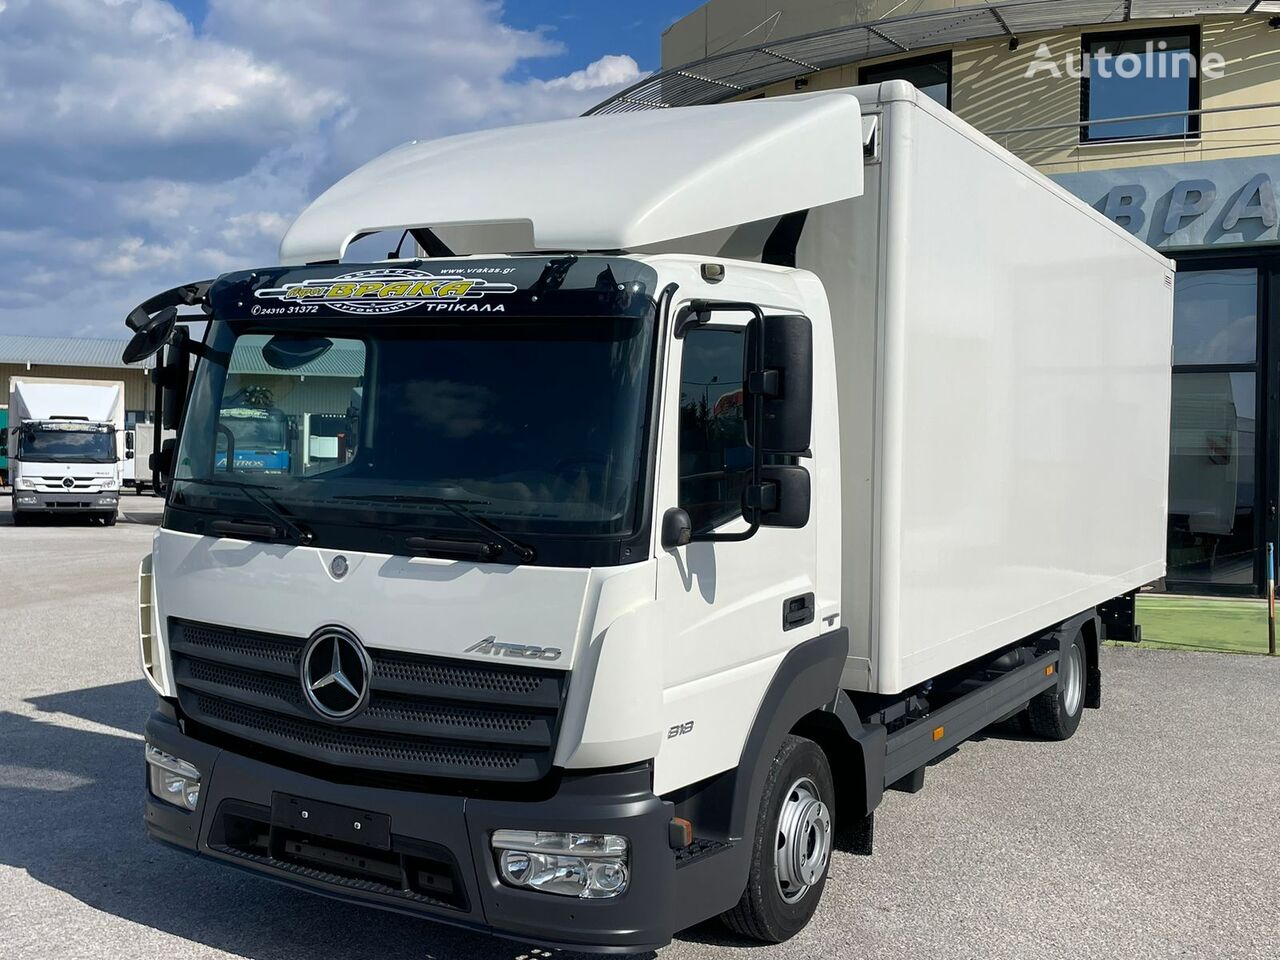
(730, 610)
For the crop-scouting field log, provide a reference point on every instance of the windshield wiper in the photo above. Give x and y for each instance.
(258, 494)
(461, 510)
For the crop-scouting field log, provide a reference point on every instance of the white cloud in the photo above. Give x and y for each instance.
(140, 153)
(610, 70)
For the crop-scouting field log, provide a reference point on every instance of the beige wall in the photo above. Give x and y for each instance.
(991, 90)
(137, 392)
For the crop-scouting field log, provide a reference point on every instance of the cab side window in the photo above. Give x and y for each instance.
(715, 458)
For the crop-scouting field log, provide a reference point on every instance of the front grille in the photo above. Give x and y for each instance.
(51, 485)
(426, 716)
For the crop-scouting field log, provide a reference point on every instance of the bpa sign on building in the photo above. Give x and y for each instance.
(1209, 204)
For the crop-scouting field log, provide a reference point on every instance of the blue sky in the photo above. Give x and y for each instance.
(149, 143)
(589, 29)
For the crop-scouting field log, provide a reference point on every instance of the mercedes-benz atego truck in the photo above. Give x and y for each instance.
(65, 445)
(707, 473)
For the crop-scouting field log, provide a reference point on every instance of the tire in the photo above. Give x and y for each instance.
(1055, 714)
(110, 519)
(791, 852)
(21, 519)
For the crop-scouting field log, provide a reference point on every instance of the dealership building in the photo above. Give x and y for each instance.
(1164, 115)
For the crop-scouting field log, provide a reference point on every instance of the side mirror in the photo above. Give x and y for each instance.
(677, 528)
(171, 379)
(162, 464)
(151, 336)
(785, 380)
(128, 454)
(782, 498)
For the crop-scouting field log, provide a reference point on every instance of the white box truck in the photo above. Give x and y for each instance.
(66, 444)
(815, 435)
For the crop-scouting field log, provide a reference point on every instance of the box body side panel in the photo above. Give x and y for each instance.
(1026, 401)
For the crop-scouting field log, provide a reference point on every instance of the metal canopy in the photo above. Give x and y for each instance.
(726, 75)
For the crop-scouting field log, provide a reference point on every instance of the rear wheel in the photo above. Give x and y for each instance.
(1055, 714)
(792, 848)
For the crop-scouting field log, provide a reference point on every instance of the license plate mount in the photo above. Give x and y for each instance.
(331, 821)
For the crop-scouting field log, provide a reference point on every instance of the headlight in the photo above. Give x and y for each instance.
(588, 865)
(172, 780)
(26, 482)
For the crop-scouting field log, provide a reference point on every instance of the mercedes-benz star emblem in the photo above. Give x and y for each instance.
(335, 673)
(68, 482)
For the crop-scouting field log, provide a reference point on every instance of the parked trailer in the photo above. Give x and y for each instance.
(652, 559)
(66, 441)
(4, 446)
(139, 443)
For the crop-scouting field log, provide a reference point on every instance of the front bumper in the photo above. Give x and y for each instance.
(78, 501)
(439, 846)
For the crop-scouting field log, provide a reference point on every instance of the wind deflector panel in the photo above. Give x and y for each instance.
(427, 716)
(602, 183)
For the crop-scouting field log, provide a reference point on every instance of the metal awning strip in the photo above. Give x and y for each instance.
(723, 75)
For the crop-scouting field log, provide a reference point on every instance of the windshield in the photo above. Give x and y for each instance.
(536, 424)
(67, 443)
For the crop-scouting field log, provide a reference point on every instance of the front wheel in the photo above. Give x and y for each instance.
(792, 846)
(1055, 714)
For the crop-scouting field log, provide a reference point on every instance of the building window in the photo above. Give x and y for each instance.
(715, 458)
(1138, 74)
(1213, 454)
(930, 75)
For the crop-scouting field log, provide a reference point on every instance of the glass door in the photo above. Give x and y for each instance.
(1215, 522)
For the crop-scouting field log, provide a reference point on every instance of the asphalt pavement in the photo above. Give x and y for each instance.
(1154, 833)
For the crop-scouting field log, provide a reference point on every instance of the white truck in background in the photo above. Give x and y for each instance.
(651, 559)
(140, 442)
(66, 444)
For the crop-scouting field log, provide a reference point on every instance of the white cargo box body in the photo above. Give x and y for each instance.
(51, 398)
(1003, 390)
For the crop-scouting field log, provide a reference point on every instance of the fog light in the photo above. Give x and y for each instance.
(588, 865)
(172, 780)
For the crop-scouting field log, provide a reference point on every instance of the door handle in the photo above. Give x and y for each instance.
(797, 612)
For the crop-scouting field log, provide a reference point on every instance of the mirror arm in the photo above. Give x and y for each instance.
(188, 295)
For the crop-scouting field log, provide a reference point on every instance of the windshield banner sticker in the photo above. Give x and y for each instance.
(388, 290)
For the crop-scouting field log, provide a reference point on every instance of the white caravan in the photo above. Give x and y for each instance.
(814, 435)
(66, 441)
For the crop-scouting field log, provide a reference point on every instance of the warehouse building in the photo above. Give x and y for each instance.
(76, 358)
(1163, 114)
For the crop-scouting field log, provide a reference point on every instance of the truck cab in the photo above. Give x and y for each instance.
(255, 438)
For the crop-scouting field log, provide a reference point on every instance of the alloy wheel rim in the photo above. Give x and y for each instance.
(802, 846)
